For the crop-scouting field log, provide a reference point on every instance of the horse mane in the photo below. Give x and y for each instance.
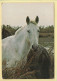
(18, 31)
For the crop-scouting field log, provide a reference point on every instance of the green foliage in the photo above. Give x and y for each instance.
(10, 29)
(7, 30)
(48, 29)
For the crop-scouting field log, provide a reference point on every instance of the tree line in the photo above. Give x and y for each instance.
(43, 29)
(47, 29)
(8, 30)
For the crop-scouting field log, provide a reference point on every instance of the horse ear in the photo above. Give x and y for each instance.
(27, 20)
(37, 19)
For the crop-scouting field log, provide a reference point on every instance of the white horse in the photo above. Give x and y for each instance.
(16, 48)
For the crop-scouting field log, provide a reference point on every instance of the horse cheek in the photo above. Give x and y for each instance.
(28, 43)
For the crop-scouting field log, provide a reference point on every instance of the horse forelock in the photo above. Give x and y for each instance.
(33, 22)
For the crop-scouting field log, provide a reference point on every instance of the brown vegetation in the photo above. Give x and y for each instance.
(46, 34)
(40, 65)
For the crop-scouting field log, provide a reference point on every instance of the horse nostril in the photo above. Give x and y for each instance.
(35, 47)
(32, 46)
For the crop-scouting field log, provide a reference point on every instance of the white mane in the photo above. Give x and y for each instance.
(17, 32)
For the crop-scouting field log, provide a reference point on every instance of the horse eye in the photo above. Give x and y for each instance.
(28, 31)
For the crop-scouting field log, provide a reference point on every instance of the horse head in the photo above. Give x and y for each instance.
(33, 31)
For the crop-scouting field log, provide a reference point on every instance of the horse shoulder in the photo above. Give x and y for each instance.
(7, 43)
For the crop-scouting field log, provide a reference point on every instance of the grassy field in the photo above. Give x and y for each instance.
(46, 34)
(46, 41)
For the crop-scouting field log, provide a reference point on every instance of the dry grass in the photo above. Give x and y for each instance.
(46, 34)
(39, 64)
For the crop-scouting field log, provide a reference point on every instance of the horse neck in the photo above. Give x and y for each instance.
(23, 42)
(19, 35)
(26, 46)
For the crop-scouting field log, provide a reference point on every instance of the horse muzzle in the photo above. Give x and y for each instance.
(34, 47)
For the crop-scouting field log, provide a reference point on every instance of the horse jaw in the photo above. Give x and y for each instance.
(25, 50)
